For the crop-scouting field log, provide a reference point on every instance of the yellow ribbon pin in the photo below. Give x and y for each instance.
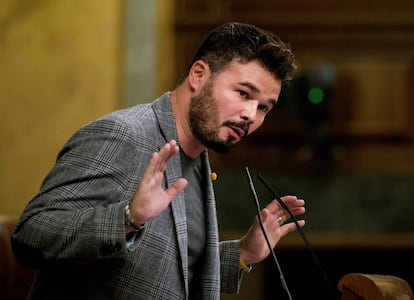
(213, 176)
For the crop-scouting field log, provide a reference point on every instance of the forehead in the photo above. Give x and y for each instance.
(252, 74)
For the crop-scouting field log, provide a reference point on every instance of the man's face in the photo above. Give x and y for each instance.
(233, 104)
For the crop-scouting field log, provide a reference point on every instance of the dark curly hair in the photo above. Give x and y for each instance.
(245, 42)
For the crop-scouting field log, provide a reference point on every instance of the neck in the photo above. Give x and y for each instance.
(181, 101)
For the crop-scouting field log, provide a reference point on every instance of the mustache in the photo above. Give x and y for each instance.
(241, 125)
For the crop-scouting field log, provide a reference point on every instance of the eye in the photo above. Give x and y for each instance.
(263, 108)
(243, 94)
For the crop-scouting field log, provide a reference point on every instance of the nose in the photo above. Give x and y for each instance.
(249, 111)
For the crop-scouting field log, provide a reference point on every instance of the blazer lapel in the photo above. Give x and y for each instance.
(211, 271)
(165, 116)
(179, 215)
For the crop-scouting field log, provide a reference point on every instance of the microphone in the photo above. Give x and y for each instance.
(253, 191)
(301, 233)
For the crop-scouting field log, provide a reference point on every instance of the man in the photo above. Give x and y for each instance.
(128, 210)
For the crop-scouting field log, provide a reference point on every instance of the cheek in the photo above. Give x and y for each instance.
(227, 98)
(226, 110)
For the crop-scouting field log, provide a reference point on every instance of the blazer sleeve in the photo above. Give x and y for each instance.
(79, 212)
(231, 275)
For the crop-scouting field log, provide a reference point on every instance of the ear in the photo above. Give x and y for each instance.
(198, 75)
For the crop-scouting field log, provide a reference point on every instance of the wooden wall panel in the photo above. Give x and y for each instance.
(369, 47)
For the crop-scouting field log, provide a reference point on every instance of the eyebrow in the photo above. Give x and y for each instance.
(255, 89)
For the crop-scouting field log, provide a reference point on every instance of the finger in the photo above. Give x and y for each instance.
(280, 220)
(285, 216)
(298, 210)
(296, 207)
(290, 201)
(177, 187)
(161, 158)
(274, 207)
(265, 214)
(163, 155)
(272, 222)
(169, 150)
(286, 228)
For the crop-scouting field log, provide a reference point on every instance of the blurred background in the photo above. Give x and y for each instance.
(341, 136)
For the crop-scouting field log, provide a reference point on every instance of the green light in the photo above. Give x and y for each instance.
(316, 95)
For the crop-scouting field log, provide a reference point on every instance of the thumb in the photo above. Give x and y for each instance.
(177, 187)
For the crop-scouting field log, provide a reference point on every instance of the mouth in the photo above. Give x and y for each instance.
(238, 132)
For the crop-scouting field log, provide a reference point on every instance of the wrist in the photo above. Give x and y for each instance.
(243, 266)
(129, 219)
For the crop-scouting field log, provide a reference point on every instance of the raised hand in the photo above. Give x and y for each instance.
(254, 248)
(150, 198)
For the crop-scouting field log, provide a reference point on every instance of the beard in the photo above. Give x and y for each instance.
(204, 121)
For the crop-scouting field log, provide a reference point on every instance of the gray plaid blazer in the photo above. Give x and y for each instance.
(73, 230)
